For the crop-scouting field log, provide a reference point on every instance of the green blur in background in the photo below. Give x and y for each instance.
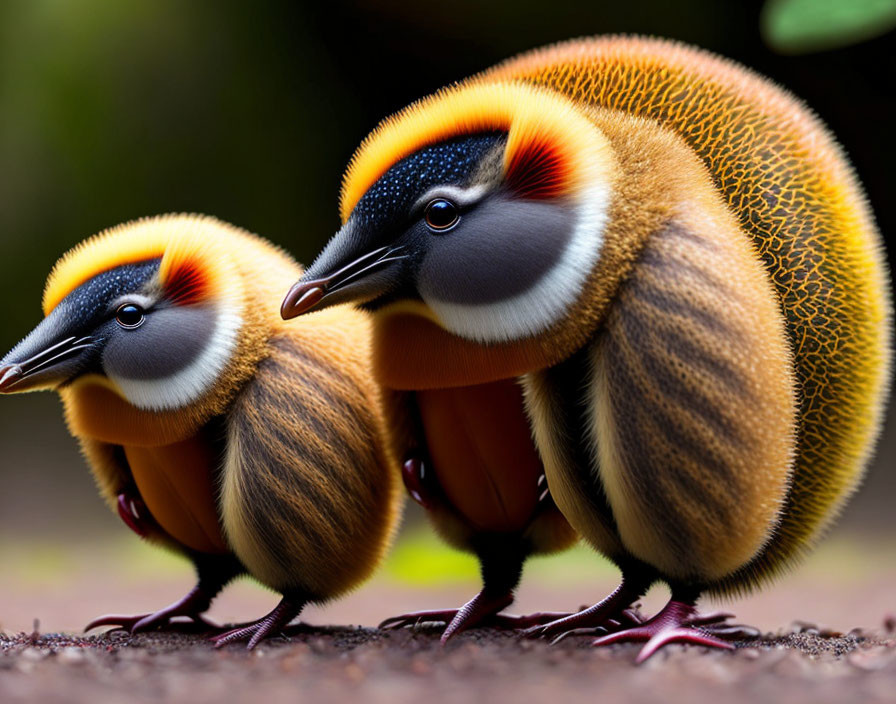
(113, 110)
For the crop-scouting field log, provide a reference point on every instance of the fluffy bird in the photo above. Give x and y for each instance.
(472, 464)
(210, 426)
(675, 259)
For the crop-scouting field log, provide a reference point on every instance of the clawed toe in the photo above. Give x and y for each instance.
(191, 607)
(271, 625)
(254, 634)
(677, 622)
(118, 622)
(686, 636)
(142, 623)
(615, 611)
(483, 609)
(708, 619)
(415, 618)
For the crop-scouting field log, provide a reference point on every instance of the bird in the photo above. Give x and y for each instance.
(674, 259)
(470, 462)
(211, 427)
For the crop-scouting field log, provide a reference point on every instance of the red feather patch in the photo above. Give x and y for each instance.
(187, 283)
(538, 170)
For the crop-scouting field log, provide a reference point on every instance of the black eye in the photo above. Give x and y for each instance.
(441, 214)
(130, 316)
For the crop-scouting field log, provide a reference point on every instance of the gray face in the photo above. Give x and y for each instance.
(502, 245)
(500, 248)
(119, 325)
(170, 339)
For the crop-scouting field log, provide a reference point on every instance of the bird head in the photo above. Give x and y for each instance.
(481, 208)
(151, 310)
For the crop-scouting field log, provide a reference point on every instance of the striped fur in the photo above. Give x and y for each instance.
(307, 488)
(557, 407)
(692, 407)
(685, 399)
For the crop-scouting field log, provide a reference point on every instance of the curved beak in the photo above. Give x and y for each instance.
(46, 359)
(361, 279)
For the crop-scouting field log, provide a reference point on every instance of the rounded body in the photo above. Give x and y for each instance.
(790, 189)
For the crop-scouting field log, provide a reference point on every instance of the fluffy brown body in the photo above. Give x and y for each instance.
(818, 313)
(283, 464)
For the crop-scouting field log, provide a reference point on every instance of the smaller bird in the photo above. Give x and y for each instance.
(210, 426)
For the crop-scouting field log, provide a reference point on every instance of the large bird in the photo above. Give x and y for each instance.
(676, 260)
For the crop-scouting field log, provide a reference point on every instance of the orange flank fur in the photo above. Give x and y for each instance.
(478, 436)
(486, 464)
(406, 365)
(96, 410)
(177, 484)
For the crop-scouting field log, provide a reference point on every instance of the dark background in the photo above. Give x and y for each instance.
(114, 110)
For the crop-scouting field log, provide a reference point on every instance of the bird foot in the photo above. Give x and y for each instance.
(266, 627)
(481, 610)
(606, 616)
(192, 606)
(677, 622)
(627, 618)
(141, 623)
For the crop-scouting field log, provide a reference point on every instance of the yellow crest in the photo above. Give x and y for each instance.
(545, 132)
(190, 270)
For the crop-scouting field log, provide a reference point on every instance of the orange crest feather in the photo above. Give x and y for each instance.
(190, 271)
(552, 147)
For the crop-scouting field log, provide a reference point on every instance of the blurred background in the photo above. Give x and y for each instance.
(249, 111)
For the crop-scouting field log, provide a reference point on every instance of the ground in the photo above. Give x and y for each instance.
(348, 664)
(846, 587)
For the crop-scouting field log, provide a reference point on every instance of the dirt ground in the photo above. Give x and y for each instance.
(844, 584)
(351, 664)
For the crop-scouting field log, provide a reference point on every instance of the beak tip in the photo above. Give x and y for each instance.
(300, 299)
(9, 375)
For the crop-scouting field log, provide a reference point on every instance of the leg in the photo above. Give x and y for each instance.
(265, 627)
(501, 566)
(677, 622)
(609, 613)
(214, 574)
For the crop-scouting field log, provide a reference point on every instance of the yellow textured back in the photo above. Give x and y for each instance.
(787, 181)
